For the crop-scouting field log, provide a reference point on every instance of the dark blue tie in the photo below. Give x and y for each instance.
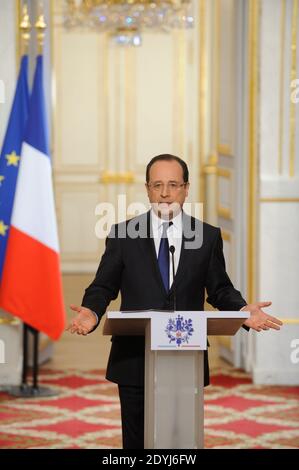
(163, 256)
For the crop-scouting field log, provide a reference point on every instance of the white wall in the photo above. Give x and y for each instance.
(278, 228)
(8, 69)
(10, 333)
(114, 109)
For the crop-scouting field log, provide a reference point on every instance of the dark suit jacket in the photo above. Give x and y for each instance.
(129, 265)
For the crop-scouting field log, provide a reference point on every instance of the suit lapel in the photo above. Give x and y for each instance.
(182, 261)
(187, 222)
(148, 246)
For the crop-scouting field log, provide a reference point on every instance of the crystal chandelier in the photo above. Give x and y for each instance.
(126, 19)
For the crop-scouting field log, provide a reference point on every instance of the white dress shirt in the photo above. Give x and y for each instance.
(174, 235)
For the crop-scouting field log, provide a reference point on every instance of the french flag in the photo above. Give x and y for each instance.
(31, 285)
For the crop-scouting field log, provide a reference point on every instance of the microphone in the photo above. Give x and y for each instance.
(172, 250)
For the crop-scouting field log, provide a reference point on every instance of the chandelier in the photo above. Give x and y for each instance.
(127, 19)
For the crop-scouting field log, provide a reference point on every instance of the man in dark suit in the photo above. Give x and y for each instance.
(137, 264)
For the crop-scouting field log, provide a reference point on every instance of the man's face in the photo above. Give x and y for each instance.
(166, 189)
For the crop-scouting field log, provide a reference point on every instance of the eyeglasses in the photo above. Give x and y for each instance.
(171, 187)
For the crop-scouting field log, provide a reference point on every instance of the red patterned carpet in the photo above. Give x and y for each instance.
(86, 414)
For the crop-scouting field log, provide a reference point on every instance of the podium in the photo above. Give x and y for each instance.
(174, 369)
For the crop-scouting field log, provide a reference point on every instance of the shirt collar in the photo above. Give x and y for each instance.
(157, 221)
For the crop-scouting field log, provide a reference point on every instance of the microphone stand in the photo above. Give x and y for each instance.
(172, 250)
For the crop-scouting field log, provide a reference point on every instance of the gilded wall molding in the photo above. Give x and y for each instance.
(253, 83)
(203, 90)
(280, 199)
(224, 212)
(293, 77)
(226, 235)
(9, 321)
(226, 150)
(109, 177)
(282, 84)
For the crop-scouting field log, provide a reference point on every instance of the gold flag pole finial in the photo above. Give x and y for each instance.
(40, 27)
(25, 27)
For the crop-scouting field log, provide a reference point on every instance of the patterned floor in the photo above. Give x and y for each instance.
(86, 414)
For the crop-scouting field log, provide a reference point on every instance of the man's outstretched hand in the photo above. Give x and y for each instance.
(84, 321)
(260, 320)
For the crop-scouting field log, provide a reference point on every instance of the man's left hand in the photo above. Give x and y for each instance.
(260, 320)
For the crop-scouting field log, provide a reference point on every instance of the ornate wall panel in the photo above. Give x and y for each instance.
(115, 108)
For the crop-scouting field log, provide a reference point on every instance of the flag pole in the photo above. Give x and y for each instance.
(40, 27)
(25, 357)
(34, 390)
(25, 390)
(25, 28)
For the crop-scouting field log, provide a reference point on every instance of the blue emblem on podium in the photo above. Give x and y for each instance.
(179, 330)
